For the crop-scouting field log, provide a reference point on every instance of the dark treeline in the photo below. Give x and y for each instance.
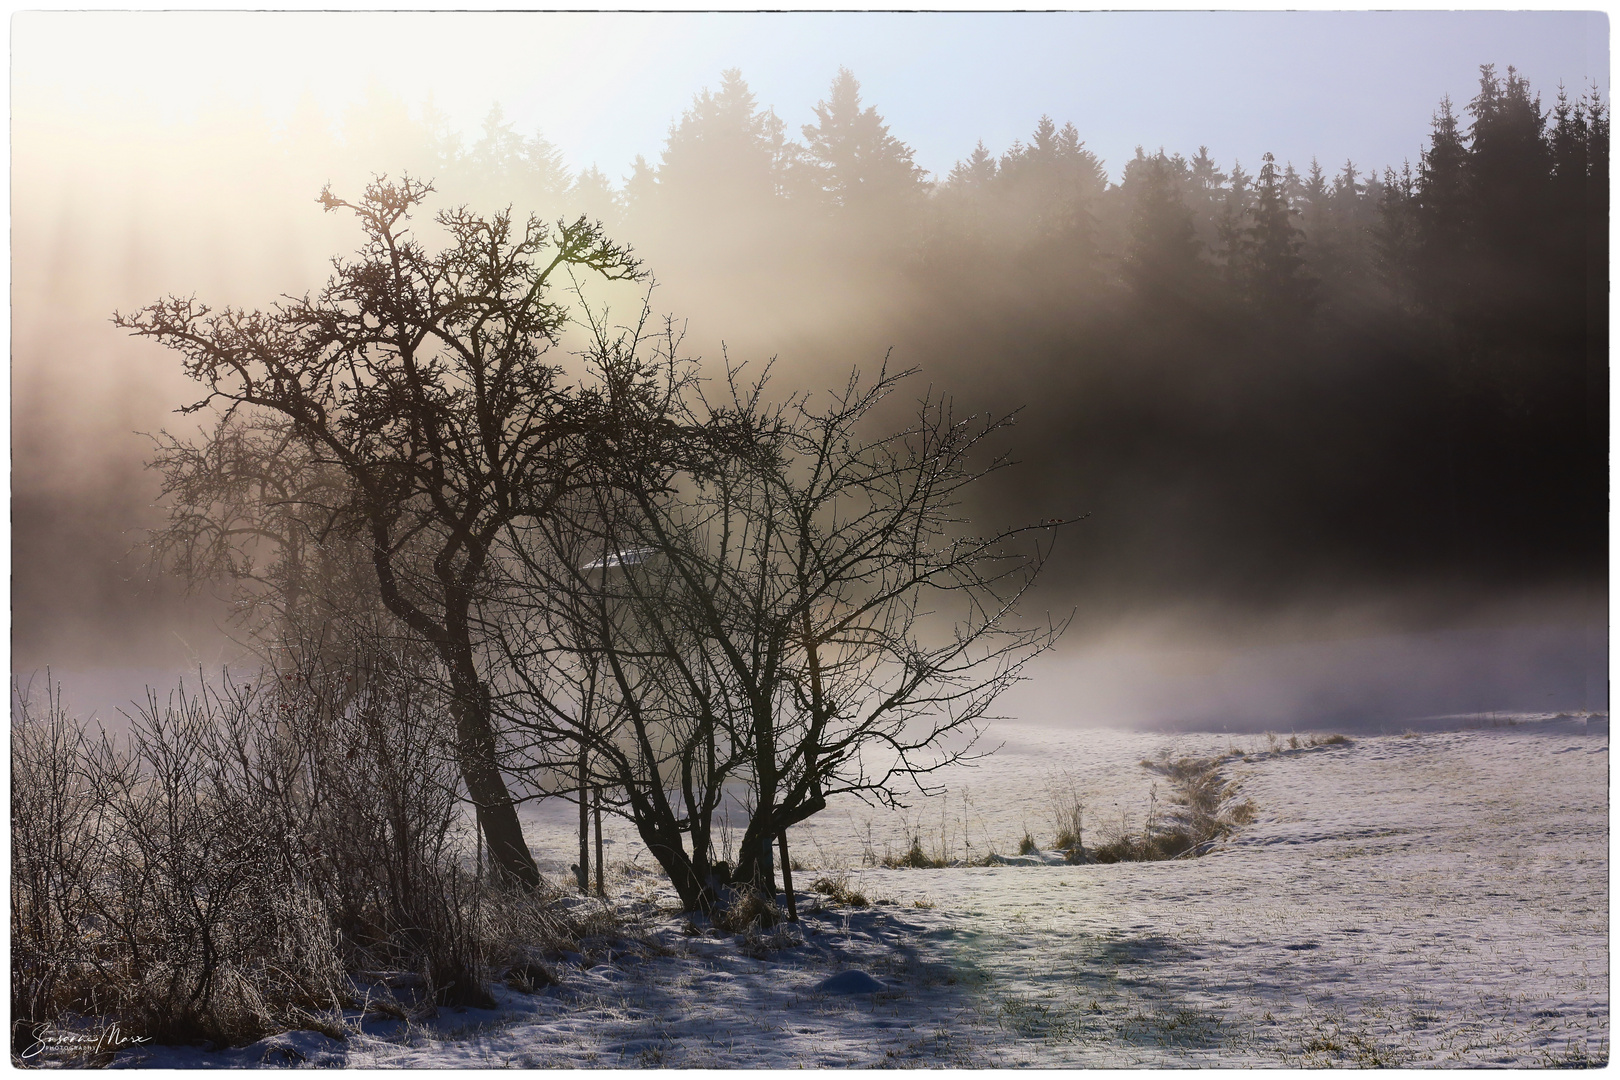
(1259, 383)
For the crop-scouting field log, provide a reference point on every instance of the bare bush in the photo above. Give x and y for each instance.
(233, 865)
(56, 822)
(175, 907)
(373, 774)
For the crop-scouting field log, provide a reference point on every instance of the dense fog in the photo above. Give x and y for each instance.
(1297, 403)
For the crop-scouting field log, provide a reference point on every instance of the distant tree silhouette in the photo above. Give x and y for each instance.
(1162, 257)
(1508, 170)
(503, 166)
(592, 194)
(1484, 244)
(1229, 225)
(1442, 213)
(1394, 233)
(724, 155)
(640, 188)
(1054, 183)
(1272, 267)
(976, 171)
(852, 159)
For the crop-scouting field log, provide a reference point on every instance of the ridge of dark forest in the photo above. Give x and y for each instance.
(1257, 383)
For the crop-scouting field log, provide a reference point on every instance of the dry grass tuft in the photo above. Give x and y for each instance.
(1069, 809)
(530, 977)
(1203, 807)
(748, 911)
(837, 891)
(915, 858)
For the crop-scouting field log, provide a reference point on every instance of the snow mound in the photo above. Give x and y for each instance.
(300, 1047)
(850, 982)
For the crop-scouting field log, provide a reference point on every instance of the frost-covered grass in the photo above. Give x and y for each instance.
(1439, 899)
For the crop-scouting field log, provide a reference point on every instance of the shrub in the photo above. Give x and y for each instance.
(177, 905)
(220, 873)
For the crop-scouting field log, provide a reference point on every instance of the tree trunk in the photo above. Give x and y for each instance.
(690, 879)
(754, 862)
(754, 857)
(497, 814)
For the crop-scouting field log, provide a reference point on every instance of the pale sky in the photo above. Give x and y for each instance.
(605, 87)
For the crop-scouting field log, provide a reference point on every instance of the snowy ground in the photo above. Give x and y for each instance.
(1434, 899)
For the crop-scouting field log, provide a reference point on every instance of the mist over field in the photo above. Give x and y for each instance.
(774, 540)
(1338, 433)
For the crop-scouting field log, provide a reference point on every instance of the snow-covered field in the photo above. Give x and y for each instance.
(1430, 899)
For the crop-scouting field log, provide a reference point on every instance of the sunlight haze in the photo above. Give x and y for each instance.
(605, 87)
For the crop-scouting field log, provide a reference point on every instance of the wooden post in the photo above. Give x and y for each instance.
(601, 887)
(584, 868)
(787, 876)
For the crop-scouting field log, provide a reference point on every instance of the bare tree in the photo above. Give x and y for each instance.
(896, 627)
(597, 645)
(424, 379)
(777, 619)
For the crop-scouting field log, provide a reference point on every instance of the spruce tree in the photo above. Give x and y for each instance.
(592, 194)
(641, 186)
(723, 155)
(976, 171)
(1508, 170)
(1273, 267)
(856, 163)
(1054, 182)
(1442, 214)
(1234, 209)
(1162, 254)
(1204, 194)
(1395, 235)
(503, 163)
